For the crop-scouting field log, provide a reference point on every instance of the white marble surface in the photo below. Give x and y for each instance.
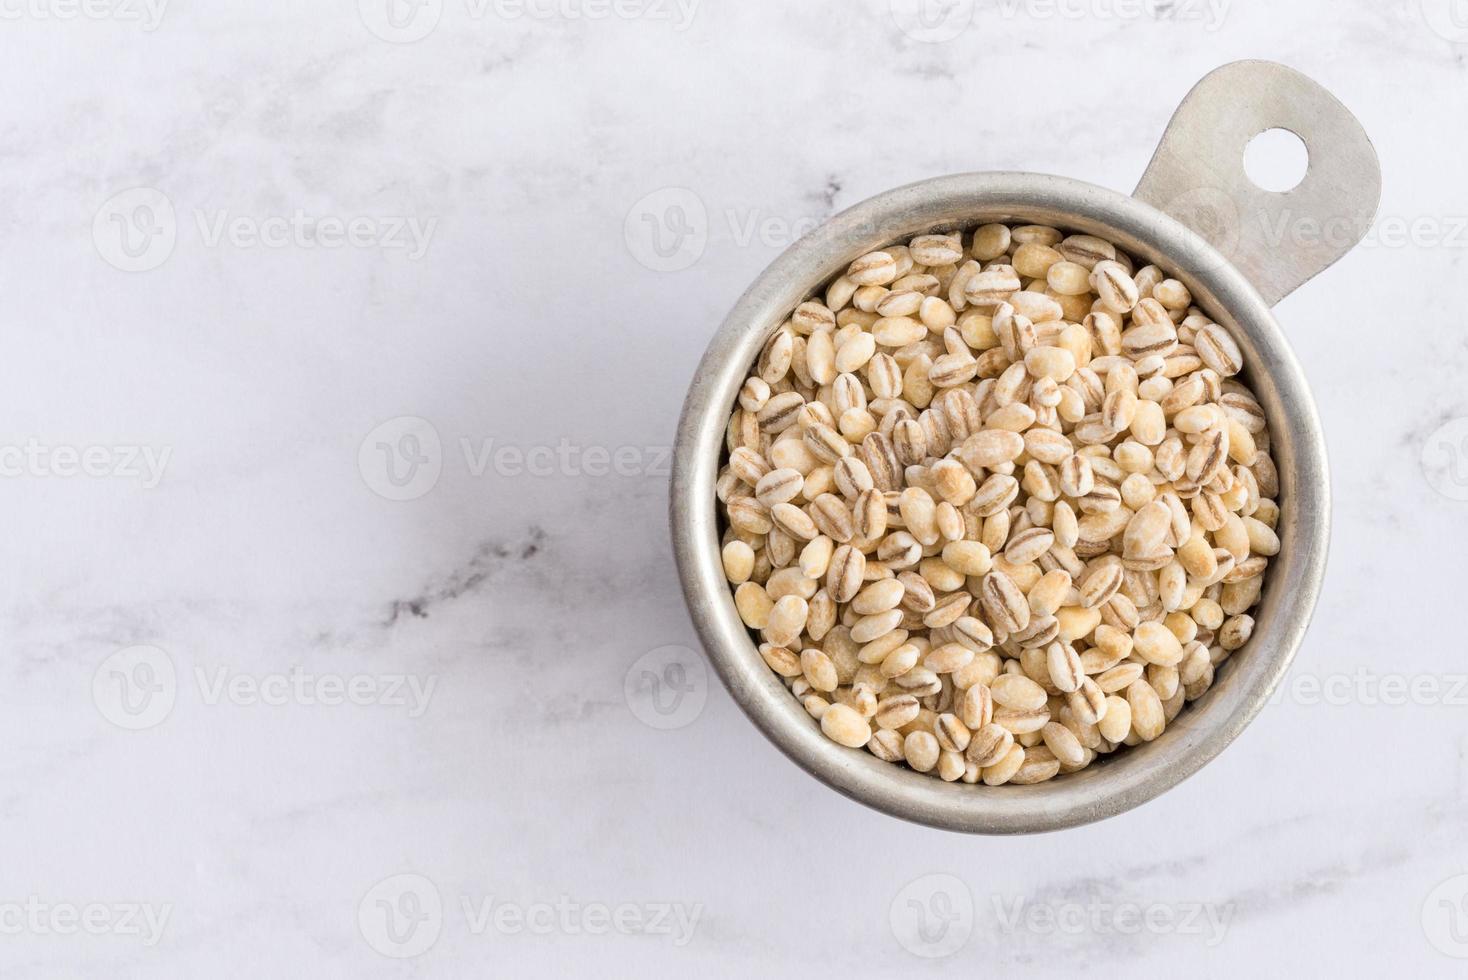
(518, 771)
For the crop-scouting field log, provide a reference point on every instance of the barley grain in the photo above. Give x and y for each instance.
(1011, 510)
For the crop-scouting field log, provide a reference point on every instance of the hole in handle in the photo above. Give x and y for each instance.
(1276, 160)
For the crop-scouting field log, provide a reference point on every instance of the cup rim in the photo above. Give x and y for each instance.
(1207, 726)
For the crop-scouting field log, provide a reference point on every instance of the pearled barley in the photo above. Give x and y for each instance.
(998, 503)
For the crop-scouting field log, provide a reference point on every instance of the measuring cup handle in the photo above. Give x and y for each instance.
(1278, 240)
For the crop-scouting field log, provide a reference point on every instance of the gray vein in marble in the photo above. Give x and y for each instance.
(490, 559)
